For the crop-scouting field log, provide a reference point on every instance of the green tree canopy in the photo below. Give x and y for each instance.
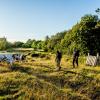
(3, 43)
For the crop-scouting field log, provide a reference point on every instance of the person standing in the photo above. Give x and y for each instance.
(75, 57)
(58, 59)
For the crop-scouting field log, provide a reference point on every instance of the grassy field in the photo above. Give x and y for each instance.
(38, 79)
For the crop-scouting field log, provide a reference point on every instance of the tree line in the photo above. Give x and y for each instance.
(84, 35)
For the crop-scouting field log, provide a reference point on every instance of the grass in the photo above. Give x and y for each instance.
(38, 79)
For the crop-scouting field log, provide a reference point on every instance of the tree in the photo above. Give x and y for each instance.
(18, 44)
(9, 45)
(87, 33)
(28, 43)
(97, 10)
(54, 42)
(45, 43)
(37, 45)
(3, 43)
(34, 45)
(84, 35)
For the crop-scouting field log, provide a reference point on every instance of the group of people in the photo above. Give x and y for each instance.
(10, 58)
(20, 57)
(59, 56)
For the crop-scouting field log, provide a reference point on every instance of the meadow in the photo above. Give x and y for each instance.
(38, 79)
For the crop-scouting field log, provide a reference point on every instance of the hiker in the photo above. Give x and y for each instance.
(58, 59)
(75, 57)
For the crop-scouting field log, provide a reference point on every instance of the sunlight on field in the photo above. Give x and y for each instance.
(38, 79)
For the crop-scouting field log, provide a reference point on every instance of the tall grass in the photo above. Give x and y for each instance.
(38, 79)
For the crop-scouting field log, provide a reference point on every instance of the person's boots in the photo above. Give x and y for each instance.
(73, 65)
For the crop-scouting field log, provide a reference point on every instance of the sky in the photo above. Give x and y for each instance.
(21, 20)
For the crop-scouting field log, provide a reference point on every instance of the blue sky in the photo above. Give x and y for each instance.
(24, 19)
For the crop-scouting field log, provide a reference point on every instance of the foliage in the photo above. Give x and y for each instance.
(84, 36)
(54, 42)
(28, 43)
(37, 45)
(3, 43)
(97, 10)
(17, 44)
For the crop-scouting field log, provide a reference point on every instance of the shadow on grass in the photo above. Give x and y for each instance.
(31, 70)
(21, 69)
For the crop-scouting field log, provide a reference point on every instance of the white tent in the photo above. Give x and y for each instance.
(93, 60)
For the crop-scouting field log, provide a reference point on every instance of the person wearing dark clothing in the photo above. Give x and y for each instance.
(75, 57)
(58, 59)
